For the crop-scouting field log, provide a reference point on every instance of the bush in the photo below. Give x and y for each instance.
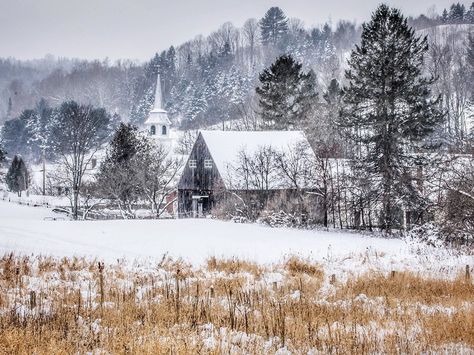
(440, 236)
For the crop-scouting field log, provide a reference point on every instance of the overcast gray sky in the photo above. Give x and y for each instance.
(136, 29)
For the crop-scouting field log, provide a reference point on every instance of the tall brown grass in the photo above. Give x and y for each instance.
(65, 306)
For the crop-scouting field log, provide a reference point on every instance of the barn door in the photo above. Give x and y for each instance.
(195, 208)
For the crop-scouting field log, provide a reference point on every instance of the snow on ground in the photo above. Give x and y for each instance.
(29, 230)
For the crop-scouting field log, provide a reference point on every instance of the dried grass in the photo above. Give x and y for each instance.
(231, 306)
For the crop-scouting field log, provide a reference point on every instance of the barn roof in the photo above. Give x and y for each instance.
(226, 146)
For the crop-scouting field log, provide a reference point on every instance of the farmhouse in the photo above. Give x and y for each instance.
(216, 167)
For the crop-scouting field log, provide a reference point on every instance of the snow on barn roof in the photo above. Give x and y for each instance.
(226, 146)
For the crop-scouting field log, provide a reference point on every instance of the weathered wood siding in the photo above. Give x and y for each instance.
(199, 178)
(198, 181)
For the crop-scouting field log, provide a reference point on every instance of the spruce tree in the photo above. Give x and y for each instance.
(388, 108)
(286, 94)
(39, 130)
(3, 153)
(17, 177)
(273, 26)
(457, 13)
(16, 135)
(124, 144)
(445, 16)
(469, 17)
(117, 178)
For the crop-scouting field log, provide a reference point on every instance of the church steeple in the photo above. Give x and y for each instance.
(158, 105)
(158, 124)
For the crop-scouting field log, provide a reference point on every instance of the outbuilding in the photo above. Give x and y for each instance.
(214, 166)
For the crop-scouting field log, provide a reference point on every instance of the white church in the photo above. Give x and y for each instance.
(158, 124)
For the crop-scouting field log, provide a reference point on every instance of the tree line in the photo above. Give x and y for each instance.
(211, 80)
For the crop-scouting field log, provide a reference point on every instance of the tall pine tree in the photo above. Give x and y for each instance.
(457, 13)
(273, 26)
(388, 108)
(286, 94)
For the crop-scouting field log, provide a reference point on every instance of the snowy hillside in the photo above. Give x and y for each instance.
(453, 34)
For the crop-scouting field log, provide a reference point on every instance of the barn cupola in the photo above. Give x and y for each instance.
(158, 123)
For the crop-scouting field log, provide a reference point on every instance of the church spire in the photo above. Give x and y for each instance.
(158, 98)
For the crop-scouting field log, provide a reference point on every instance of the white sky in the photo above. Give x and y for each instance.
(136, 29)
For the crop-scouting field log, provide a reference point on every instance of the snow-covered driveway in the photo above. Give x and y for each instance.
(24, 230)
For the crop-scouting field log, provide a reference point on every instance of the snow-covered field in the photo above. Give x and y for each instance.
(29, 230)
(342, 283)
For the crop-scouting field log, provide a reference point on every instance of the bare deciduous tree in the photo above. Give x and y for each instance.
(80, 130)
(157, 172)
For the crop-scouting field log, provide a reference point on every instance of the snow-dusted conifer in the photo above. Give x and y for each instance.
(445, 16)
(17, 177)
(457, 12)
(388, 107)
(40, 130)
(117, 179)
(286, 94)
(273, 26)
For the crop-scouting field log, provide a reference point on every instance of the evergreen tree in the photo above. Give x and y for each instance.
(445, 16)
(17, 177)
(16, 135)
(273, 26)
(39, 130)
(388, 108)
(469, 18)
(144, 94)
(456, 13)
(123, 146)
(117, 178)
(286, 94)
(3, 153)
(193, 106)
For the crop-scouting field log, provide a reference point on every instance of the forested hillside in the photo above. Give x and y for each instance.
(212, 79)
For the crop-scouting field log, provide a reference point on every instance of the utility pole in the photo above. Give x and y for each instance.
(44, 171)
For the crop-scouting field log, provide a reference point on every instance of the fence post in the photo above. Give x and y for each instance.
(32, 300)
(101, 286)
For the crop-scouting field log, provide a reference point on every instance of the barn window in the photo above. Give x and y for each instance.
(152, 130)
(192, 163)
(208, 164)
(163, 130)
